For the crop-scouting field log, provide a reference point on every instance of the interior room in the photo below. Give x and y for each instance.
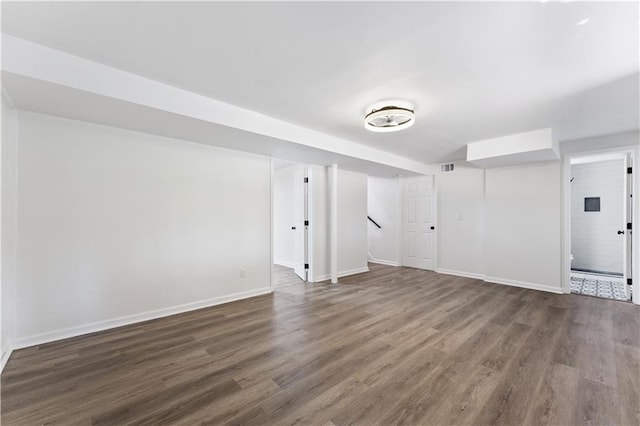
(321, 213)
(600, 203)
(290, 234)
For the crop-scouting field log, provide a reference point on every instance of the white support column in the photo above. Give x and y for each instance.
(333, 223)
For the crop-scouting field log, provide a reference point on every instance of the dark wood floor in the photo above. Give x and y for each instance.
(283, 277)
(393, 346)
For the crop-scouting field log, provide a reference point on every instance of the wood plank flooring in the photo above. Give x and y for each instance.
(392, 346)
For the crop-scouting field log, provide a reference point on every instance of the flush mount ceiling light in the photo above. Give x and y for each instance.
(389, 119)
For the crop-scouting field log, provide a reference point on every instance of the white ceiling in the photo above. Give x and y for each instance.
(473, 70)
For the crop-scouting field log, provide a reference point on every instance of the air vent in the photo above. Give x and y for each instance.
(446, 167)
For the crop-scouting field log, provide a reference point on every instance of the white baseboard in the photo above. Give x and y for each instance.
(5, 356)
(285, 264)
(342, 274)
(66, 333)
(383, 262)
(514, 283)
(523, 284)
(461, 273)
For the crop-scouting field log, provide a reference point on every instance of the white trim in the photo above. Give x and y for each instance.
(333, 223)
(271, 220)
(312, 221)
(284, 263)
(383, 262)
(5, 356)
(636, 235)
(403, 208)
(595, 158)
(8, 349)
(565, 242)
(460, 273)
(523, 284)
(66, 333)
(341, 274)
(435, 242)
(306, 194)
(513, 283)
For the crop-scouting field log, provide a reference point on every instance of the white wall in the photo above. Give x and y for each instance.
(523, 225)
(8, 229)
(117, 226)
(595, 244)
(283, 235)
(521, 243)
(601, 142)
(502, 224)
(384, 200)
(460, 221)
(352, 223)
(511, 150)
(319, 269)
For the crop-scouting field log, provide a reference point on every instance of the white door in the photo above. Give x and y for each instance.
(418, 223)
(300, 218)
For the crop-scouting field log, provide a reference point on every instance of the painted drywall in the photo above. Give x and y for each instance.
(116, 226)
(460, 221)
(521, 241)
(597, 143)
(384, 204)
(8, 229)
(523, 148)
(283, 235)
(352, 223)
(595, 243)
(523, 225)
(319, 267)
(188, 110)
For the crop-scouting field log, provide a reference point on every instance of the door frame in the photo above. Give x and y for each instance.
(308, 246)
(302, 269)
(434, 214)
(566, 215)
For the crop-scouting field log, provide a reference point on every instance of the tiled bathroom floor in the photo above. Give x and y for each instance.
(604, 286)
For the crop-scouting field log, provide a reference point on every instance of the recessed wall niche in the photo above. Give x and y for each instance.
(592, 204)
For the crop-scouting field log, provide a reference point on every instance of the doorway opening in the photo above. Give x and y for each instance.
(291, 228)
(600, 213)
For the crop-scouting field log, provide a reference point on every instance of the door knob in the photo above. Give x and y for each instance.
(620, 232)
(432, 228)
(293, 227)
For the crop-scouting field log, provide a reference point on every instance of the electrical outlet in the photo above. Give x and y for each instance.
(459, 216)
(243, 273)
